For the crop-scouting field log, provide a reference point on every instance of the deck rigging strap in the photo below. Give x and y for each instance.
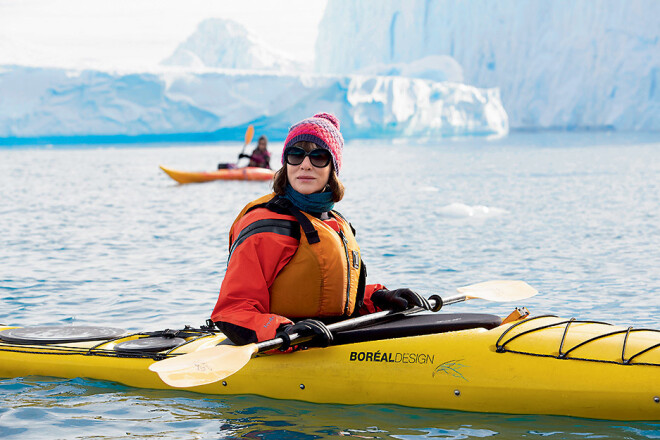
(187, 332)
(501, 344)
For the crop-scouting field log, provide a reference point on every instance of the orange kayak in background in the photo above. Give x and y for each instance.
(247, 173)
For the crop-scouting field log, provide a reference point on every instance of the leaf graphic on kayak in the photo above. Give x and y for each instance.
(451, 368)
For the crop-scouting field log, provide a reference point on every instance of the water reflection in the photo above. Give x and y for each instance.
(39, 407)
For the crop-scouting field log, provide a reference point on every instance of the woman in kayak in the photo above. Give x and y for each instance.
(292, 258)
(260, 157)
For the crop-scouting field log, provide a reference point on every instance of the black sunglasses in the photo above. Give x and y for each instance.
(320, 158)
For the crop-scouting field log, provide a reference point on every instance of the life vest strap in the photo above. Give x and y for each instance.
(338, 214)
(362, 284)
(281, 205)
(305, 223)
(277, 226)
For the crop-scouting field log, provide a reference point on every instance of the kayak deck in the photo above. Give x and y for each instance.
(246, 173)
(540, 365)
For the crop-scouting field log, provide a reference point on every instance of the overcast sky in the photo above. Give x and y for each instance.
(140, 33)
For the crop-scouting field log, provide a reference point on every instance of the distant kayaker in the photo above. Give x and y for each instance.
(294, 261)
(260, 157)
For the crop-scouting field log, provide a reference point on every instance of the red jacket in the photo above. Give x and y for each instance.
(242, 310)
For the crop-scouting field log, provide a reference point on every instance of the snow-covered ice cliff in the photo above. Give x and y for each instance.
(50, 103)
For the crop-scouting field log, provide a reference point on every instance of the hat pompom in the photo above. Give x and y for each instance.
(330, 117)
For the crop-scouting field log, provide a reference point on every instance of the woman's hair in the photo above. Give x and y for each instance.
(280, 180)
(263, 138)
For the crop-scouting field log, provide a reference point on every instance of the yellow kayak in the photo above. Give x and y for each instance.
(466, 362)
(246, 173)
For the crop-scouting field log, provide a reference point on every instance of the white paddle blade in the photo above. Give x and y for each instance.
(499, 290)
(205, 366)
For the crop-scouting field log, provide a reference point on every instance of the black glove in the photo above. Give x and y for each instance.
(243, 155)
(321, 336)
(398, 299)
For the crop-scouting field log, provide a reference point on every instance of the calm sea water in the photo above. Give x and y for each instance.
(99, 235)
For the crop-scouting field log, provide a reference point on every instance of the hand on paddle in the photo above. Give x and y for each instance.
(321, 336)
(398, 300)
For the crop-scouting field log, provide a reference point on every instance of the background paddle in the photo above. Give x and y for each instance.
(249, 134)
(219, 362)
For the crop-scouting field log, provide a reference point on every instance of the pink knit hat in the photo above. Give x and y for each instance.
(321, 129)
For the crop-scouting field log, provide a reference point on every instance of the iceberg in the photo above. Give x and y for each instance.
(68, 104)
(566, 64)
(227, 44)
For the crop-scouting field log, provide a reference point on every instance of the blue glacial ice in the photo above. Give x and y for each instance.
(565, 64)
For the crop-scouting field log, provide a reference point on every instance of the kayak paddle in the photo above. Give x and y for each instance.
(216, 363)
(249, 134)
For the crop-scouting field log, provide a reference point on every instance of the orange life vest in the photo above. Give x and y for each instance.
(325, 277)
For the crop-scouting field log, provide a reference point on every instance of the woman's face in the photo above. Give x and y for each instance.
(262, 145)
(306, 178)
